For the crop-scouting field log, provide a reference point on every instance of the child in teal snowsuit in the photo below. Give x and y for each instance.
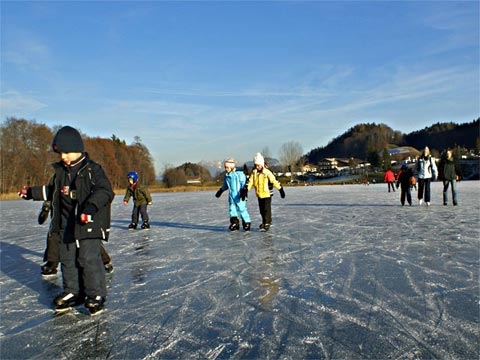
(234, 181)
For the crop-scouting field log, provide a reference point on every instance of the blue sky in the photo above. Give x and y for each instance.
(209, 80)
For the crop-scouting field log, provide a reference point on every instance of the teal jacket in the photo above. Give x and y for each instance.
(234, 182)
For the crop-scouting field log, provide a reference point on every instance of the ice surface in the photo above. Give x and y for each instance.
(344, 273)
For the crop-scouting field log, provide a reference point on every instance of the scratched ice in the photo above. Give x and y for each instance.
(345, 272)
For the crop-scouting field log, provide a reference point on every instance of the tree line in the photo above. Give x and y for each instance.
(26, 155)
(367, 141)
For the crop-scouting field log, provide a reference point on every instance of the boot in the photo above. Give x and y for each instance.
(234, 224)
(94, 304)
(66, 300)
(145, 225)
(246, 225)
(49, 268)
(132, 226)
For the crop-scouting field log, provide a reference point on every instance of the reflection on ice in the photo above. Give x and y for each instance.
(344, 272)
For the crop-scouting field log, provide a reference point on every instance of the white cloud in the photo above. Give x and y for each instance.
(19, 105)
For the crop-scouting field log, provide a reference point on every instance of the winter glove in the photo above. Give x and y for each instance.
(244, 193)
(150, 203)
(219, 193)
(43, 216)
(282, 193)
(125, 202)
(25, 193)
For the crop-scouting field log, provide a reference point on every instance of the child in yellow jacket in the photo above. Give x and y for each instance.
(260, 179)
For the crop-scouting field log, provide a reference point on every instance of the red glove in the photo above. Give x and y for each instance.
(85, 218)
(25, 193)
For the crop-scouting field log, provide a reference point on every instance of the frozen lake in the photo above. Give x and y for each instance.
(344, 273)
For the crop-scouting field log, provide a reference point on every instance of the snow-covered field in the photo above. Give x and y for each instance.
(344, 273)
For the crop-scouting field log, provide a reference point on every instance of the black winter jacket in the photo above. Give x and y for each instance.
(93, 193)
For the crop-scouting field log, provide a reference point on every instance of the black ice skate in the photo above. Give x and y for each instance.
(264, 227)
(132, 226)
(95, 305)
(145, 225)
(49, 269)
(234, 224)
(108, 267)
(65, 301)
(246, 225)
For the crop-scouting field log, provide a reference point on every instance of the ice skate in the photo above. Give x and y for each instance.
(108, 267)
(65, 301)
(49, 269)
(265, 227)
(145, 226)
(132, 226)
(246, 225)
(234, 224)
(95, 305)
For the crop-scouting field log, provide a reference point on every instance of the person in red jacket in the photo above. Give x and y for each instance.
(389, 178)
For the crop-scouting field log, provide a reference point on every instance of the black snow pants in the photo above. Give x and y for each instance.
(265, 206)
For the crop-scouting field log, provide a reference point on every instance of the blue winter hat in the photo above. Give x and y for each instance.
(132, 175)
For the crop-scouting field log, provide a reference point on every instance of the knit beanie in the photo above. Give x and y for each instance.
(230, 162)
(67, 140)
(259, 160)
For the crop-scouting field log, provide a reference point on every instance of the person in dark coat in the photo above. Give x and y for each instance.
(81, 196)
(404, 182)
(449, 172)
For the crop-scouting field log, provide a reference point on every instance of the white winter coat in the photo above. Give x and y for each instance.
(427, 168)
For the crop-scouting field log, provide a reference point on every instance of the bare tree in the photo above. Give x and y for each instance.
(290, 155)
(266, 154)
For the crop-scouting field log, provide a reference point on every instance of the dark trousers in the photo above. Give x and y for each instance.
(265, 206)
(392, 185)
(82, 267)
(137, 211)
(406, 194)
(52, 252)
(424, 189)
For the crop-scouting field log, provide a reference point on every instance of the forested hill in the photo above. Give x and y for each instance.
(362, 140)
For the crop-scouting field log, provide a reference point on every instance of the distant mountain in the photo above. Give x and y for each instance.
(363, 140)
(213, 166)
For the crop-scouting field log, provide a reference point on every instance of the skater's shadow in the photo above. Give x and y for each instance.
(26, 272)
(343, 205)
(190, 226)
(123, 224)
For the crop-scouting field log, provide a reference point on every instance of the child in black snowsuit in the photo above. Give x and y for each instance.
(141, 198)
(81, 196)
(404, 181)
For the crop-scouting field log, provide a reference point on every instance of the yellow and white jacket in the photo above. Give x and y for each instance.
(260, 181)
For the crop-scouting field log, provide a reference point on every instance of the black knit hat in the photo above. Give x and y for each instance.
(67, 140)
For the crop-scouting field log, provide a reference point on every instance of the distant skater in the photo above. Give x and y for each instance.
(260, 178)
(234, 181)
(389, 178)
(404, 181)
(450, 173)
(427, 171)
(141, 198)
